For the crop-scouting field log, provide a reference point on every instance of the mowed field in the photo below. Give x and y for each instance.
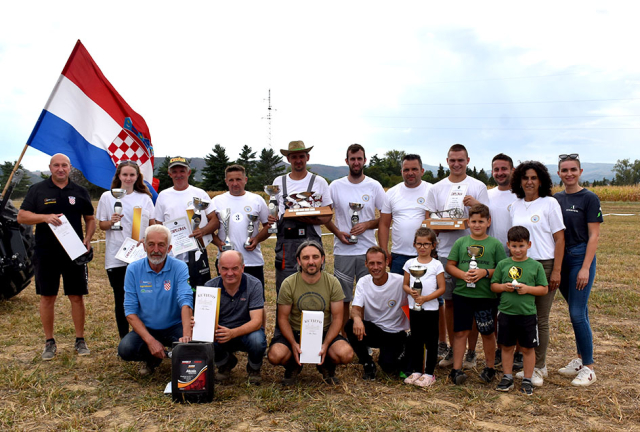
(101, 392)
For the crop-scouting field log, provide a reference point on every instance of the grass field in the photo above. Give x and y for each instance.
(102, 392)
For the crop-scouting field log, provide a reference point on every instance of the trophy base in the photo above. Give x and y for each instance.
(446, 224)
(227, 247)
(272, 230)
(417, 308)
(308, 211)
(116, 228)
(353, 240)
(471, 285)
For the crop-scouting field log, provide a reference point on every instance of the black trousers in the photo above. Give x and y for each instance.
(391, 346)
(424, 333)
(116, 279)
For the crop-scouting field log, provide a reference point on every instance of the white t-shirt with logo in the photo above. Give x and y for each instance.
(320, 187)
(499, 205)
(241, 206)
(172, 204)
(440, 197)
(368, 192)
(114, 239)
(408, 208)
(543, 218)
(383, 304)
(429, 281)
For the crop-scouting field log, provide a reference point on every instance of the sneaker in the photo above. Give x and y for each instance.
(328, 374)
(224, 372)
(572, 369)
(505, 384)
(585, 377)
(469, 361)
(81, 348)
(291, 374)
(448, 358)
(49, 351)
(488, 374)
(518, 361)
(442, 349)
(457, 377)
(538, 376)
(253, 376)
(411, 379)
(498, 361)
(146, 369)
(370, 371)
(526, 388)
(425, 380)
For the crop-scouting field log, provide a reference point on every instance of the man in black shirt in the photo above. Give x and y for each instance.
(44, 204)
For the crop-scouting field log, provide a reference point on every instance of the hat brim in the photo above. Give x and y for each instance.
(179, 164)
(288, 152)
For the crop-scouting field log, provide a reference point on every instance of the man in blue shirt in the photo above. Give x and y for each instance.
(158, 302)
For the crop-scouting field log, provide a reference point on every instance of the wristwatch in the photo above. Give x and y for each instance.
(487, 275)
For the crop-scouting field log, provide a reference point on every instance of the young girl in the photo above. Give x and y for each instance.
(424, 322)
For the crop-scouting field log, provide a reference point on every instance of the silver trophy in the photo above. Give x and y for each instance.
(225, 222)
(199, 205)
(117, 207)
(355, 218)
(250, 229)
(273, 191)
(417, 271)
(472, 251)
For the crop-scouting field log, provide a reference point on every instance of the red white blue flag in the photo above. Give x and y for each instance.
(86, 119)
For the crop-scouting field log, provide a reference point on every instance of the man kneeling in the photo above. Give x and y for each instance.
(377, 317)
(240, 320)
(310, 289)
(158, 302)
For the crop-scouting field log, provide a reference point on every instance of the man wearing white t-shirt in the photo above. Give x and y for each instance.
(378, 319)
(349, 256)
(456, 191)
(405, 205)
(177, 202)
(500, 198)
(292, 232)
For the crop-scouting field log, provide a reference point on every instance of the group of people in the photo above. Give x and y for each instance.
(496, 278)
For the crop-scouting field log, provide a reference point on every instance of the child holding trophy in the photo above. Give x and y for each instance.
(120, 210)
(424, 273)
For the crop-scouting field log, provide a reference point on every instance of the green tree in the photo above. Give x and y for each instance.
(386, 170)
(482, 176)
(428, 177)
(21, 188)
(268, 167)
(162, 174)
(248, 160)
(441, 173)
(627, 172)
(213, 171)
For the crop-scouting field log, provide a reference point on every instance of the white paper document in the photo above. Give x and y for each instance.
(130, 251)
(456, 196)
(205, 313)
(68, 238)
(311, 336)
(180, 230)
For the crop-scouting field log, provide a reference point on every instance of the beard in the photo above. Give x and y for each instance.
(157, 259)
(356, 173)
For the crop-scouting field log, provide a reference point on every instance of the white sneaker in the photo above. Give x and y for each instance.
(572, 369)
(448, 359)
(585, 377)
(537, 379)
(412, 378)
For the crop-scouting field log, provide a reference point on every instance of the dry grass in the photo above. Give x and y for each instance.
(613, 193)
(102, 392)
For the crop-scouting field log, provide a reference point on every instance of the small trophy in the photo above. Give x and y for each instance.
(225, 222)
(514, 273)
(250, 229)
(417, 271)
(272, 191)
(117, 207)
(472, 251)
(355, 219)
(198, 205)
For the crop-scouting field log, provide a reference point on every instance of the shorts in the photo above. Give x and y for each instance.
(449, 281)
(347, 268)
(521, 329)
(278, 337)
(468, 309)
(48, 270)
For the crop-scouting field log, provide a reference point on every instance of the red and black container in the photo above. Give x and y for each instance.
(192, 372)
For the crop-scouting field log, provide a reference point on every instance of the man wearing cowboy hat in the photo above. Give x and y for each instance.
(293, 231)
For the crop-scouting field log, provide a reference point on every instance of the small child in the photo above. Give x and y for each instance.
(424, 322)
(471, 261)
(519, 279)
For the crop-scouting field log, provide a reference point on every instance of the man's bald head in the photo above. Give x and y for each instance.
(60, 167)
(230, 268)
(232, 257)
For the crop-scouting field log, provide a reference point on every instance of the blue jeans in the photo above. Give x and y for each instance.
(133, 348)
(578, 299)
(254, 344)
(398, 261)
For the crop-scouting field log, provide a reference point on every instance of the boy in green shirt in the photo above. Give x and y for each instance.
(519, 279)
(471, 261)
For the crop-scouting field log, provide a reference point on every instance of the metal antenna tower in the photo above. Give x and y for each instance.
(268, 117)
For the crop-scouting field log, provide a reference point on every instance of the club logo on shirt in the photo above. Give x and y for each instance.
(49, 201)
(72, 200)
(366, 198)
(167, 285)
(515, 272)
(392, 303)
(509, 208)
(247, 209)
(535, 218)
(572, 209)
(421, 200)
(311, 301)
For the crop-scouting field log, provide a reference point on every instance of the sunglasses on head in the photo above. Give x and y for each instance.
(569, 156)
(128, 162)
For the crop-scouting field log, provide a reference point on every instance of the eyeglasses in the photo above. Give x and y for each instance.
(571, 156)
(128, 162)
(424, 245)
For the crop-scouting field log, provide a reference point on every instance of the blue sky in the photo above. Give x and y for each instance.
(530, 81)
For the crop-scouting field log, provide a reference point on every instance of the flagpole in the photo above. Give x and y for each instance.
(6, 186)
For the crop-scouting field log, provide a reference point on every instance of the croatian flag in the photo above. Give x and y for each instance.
(86, 119)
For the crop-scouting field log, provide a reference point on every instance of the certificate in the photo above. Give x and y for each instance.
(68, 238)
(311, 331)
(205, 313)
(456, 196)
(180, 230)
(130, 251)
